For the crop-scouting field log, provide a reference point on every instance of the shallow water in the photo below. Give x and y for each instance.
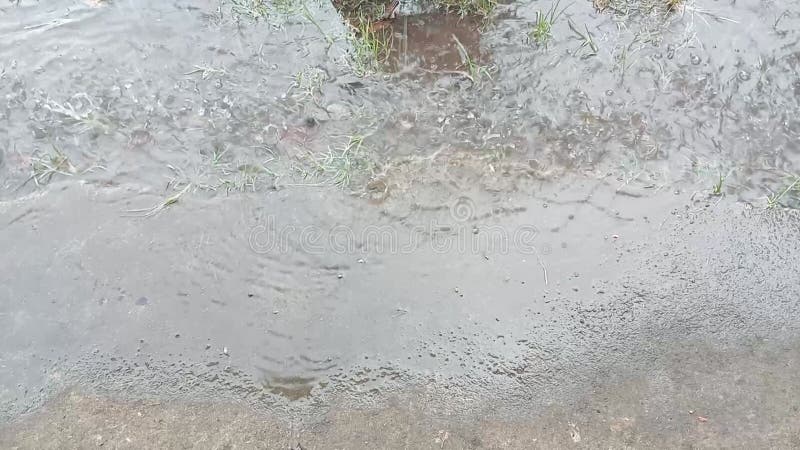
(116, 87)
(344, 235)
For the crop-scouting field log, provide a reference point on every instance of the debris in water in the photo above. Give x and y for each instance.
(574, 433)
(442, 437)
(150, 212)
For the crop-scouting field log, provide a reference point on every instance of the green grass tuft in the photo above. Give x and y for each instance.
(542, 30)
(339, 166)
(43, 168)
(480, 8)
(252, 9)
(791, 192)
(718, 185)
(307, 83)
(371, 47)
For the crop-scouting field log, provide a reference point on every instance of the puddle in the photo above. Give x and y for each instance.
(650, 106)
(292, 388)
(145, 147)
(435, 43)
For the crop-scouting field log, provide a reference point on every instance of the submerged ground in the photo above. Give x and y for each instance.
(272, 224)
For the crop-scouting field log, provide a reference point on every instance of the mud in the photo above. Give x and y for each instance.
(221, 231)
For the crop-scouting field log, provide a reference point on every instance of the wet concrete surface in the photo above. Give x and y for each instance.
(700, 398)
(688, 300)
(216, 233)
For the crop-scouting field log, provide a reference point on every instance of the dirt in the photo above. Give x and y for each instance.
(221, 232)
(702, 398)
